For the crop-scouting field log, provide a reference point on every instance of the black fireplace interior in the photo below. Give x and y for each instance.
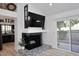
(32, 40)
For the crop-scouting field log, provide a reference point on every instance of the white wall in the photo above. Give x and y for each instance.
(19, 24)
(32, 8)
(7, 13)
(50, 37)
(20, 21)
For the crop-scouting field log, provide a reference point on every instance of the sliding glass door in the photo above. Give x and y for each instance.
(68, 34)
(75, 35)
(63, 30)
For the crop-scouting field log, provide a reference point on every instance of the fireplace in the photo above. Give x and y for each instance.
(32, 40)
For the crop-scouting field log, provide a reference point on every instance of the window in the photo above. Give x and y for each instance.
(6, 29)
(68, 34)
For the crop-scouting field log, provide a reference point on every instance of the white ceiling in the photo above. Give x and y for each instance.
(55, 8)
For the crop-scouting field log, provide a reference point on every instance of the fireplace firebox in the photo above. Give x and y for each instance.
(32, 40)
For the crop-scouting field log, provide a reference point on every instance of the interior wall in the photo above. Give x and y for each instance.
(8, 13)
(32, 8)
(50, 37)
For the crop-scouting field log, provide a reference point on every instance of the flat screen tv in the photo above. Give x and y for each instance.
(36, 20)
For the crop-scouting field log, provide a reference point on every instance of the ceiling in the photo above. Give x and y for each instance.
(56, 8)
